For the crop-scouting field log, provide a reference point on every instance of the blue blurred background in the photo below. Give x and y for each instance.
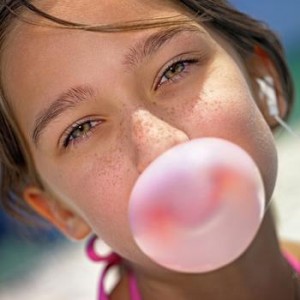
(283, 16)
(22, 250)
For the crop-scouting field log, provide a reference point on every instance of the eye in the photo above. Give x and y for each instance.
(175, 71)
(79, 131)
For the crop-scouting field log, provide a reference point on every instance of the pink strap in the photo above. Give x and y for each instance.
(293, 261)
(111, 260)
(133, 288)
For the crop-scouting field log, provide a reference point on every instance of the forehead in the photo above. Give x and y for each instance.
(33, 51)
(27, 45)
(106, 11)
(95, 12)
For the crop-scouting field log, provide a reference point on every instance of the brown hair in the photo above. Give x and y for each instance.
(245, 33)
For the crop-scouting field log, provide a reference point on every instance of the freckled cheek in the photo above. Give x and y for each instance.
(106, 208)
(231, 114)
(99, 188)
(204, 115)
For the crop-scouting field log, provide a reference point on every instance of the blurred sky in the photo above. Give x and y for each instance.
(283, 16)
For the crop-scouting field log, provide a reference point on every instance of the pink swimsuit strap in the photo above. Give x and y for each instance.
(115, 260)
(133, 287)
(111, 260)
(293, 261)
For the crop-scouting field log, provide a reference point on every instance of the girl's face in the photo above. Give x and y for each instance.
(97, 108)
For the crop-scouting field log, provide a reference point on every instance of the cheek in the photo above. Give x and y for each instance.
(97, 188)
(225, 108)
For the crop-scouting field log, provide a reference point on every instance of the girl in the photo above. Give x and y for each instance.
(93, 92)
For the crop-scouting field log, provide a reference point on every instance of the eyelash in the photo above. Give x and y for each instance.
(185, 62)
(67, 138)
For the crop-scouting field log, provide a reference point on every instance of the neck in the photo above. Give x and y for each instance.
(261, 273)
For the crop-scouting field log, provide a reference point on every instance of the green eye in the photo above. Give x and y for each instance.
(79, 131)
(176, 70)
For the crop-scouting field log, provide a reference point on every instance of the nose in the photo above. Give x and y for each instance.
(152, 136)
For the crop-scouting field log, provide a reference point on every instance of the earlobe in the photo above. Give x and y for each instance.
(273, 106)
(267, 86)
(64, 219)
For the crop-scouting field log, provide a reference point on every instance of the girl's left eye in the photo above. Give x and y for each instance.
(175, 71)
(79, 131)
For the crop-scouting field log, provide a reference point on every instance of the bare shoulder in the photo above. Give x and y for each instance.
(291, 247)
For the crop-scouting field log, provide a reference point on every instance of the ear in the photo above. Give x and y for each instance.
(260, 67)
(63, 218)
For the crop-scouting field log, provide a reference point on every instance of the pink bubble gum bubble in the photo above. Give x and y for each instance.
(198, 206)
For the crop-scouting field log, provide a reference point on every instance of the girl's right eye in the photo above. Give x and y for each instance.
(79, 131)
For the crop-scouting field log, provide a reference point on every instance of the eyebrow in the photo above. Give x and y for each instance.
(65, 101)
(75, 95)
(149, 46)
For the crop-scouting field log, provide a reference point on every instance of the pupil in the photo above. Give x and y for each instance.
(80, 130)
(176, 69)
